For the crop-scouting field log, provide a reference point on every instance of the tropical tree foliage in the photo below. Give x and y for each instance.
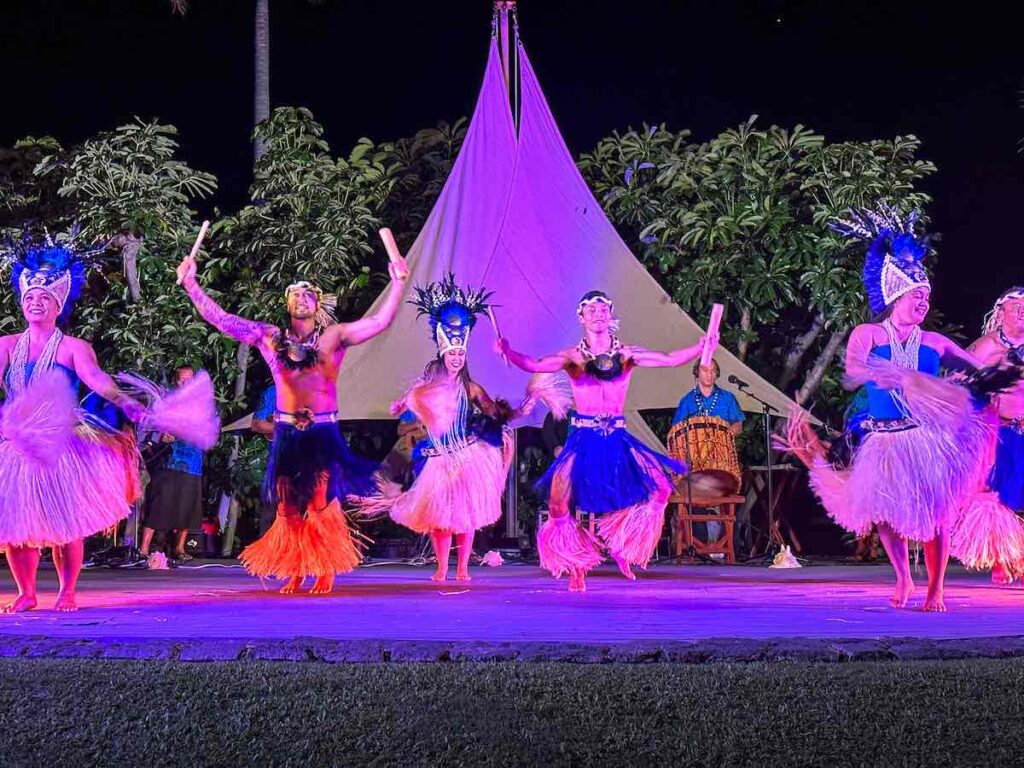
(311, 217)
(741, 219)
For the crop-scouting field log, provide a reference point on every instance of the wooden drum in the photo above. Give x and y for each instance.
(707, 446)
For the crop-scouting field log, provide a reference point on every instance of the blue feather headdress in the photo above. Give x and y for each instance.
(893, 265)
(57, 266)
(451, 311)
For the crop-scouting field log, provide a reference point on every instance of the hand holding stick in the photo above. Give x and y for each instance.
(187, 268)
(711, 337)
(397, 267)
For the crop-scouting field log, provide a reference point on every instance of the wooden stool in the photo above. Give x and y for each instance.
(683, 538)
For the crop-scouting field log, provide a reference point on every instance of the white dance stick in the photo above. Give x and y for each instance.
(390, 246)
(713, 323)
(198, 242)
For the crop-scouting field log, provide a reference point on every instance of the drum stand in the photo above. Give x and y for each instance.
(691, 553)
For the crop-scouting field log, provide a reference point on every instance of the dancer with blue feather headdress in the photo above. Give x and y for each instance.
(462, 464)
(927, 442)
(63, 475)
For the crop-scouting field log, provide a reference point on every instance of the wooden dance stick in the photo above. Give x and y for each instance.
(394, 255)
(497, 333)
(390, 246)
(713, 323)
(199, 242)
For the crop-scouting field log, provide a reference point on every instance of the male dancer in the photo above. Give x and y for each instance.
(1003, 343)
(311, 469)
(602, 469)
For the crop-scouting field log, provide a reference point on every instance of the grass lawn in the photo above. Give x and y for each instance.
(85, 713)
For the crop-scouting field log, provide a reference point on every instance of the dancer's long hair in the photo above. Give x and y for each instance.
(436, 368)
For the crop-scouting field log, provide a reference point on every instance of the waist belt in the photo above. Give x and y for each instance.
(888, 425)
(305, 418)
(431, 451)
(604, 423)
(1016, 424)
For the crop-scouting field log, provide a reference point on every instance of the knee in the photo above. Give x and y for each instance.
(558, 506)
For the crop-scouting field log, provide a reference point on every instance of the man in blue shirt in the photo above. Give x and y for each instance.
(708, 399)
(174, 497)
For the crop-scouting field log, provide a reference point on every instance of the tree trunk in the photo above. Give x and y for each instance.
(744, 343)
(821, 366)
(261, 95)
(129, 245)
(261, 111)
(796, 354)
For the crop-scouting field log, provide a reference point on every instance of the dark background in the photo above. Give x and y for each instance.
(386, 69)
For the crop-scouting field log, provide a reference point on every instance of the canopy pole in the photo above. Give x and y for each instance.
(502, 8)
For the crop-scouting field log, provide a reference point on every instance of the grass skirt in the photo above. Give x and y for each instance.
(458, 491)
(615, 476)
(609, 472)
(988, 532)
(85, 485)
(1007, 477)
(319, 544)
(915, 480)
(301, 459)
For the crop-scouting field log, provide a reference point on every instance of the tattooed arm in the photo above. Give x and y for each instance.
(238, 328)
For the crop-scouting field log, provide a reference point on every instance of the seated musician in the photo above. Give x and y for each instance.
(708, 399)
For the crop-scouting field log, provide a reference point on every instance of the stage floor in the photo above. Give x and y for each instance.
(689, 613)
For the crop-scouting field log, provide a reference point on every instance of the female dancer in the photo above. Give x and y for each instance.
(926, 446)
(461, 469)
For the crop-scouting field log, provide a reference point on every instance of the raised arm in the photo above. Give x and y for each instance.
(647, 358)
(100, 382)
(238, 328)
(549, 364)
(364, 329)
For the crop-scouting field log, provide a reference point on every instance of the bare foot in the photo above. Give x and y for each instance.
(292, 586)
(323, 585)
(20, 604)
(463, 576)
(66, 602)
(933, 602)
(577, 581)
(1000, 574)
(902, 593)
(624, 567)
(440, 575)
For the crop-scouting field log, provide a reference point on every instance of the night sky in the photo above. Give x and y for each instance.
(386, 69)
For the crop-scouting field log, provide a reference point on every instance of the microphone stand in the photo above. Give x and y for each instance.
(766, 413)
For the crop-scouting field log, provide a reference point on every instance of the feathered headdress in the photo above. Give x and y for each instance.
(992, 320)
(893, 265)
(57, 266)
(451, 311)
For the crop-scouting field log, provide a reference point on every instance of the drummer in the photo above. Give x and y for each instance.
(708, 399)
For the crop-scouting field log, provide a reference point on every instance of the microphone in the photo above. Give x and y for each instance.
(738, 382)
